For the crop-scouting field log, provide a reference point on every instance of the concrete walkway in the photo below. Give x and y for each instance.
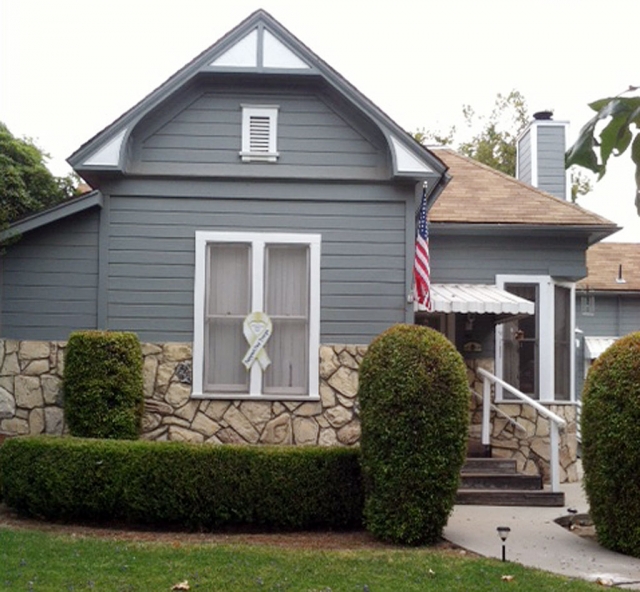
(537, 541)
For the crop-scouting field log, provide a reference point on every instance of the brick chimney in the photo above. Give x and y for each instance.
(540, 159)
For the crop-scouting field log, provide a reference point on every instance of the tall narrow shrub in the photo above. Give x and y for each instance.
(103, 389)
(611, 445)
(414, 400)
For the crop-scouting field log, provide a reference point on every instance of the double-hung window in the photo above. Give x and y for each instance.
(249, 286)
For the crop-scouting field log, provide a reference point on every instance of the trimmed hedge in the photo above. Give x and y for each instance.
(414, 399)
(611, 445)
(199, 487)
(103, 387)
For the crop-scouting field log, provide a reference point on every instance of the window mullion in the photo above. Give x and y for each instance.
(257, 305)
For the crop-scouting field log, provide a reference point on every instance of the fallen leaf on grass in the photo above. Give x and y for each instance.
(182, 586)
(604, 582)
(507, 578)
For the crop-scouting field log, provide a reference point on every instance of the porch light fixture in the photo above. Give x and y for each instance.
(503, 533)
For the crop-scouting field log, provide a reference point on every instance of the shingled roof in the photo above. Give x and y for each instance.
(603, 264)
(478, 194)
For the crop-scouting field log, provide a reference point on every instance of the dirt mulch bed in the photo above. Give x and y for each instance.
(316, 540)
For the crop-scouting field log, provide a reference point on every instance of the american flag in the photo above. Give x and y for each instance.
(421, 266)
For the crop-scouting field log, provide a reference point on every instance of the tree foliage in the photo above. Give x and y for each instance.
(496, 143)
(611, 131)
(26, 184)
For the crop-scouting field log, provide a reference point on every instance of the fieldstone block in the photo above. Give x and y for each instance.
(188, 411)
(36, 368)
(305, 431)
(241, 425)
(309, 409)
(36, 421)
(11, 346)
(51, 389)
(34, 350)
(28, 392)
(349, 434)
(328, 438)
(10, 366)
(7, 404)
(164, 374)
(149, 369)
(229, 436)
(60, 356)
(160, 434)
(176, 352)
(150, 421)
(15, 425)
(150, 349)
(347, 358)
(328, 361)
(204, 425)
(278, 431)
(216, 409)
(338, 416)
(178, 434)
(53, 421)
(177, 394)
(257, 412)
(327, 395)
(345, 381)
(541, 448)
(170, 420)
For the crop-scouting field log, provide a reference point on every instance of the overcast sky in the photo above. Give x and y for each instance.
(68, 68)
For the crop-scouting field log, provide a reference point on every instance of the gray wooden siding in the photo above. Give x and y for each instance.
(614, 316)
(49, 280)
(204, 137)
(478, 259)
(363, 264)
(524, 158)
(551, 172)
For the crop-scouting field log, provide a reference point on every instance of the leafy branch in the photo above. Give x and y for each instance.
(593, 148)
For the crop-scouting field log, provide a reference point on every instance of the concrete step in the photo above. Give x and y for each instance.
(511, 481)
(490, 465)
(510, 497)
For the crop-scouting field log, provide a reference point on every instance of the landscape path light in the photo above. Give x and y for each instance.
(503, 533)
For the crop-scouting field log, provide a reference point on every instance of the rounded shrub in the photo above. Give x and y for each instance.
(611, 445)
(414, 399)
(103, 388)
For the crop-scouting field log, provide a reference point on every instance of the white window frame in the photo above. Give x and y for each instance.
(258, 242)
(248, 153)
(546, 339)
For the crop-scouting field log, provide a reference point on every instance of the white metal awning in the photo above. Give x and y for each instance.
(477, 299)
(594, 346)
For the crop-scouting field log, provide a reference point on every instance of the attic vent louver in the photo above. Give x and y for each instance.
(259, 130)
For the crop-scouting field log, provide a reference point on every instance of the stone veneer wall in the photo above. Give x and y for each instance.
(30, 399)
(30, 403)
(529, 443)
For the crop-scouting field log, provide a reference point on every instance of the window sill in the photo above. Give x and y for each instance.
(259, 156)
(245, 397)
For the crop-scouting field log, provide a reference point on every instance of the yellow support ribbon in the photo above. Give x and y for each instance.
(257, 329)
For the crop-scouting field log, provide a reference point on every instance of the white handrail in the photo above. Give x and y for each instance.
(555, 421)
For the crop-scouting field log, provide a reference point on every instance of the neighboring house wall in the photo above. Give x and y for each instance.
(50, 280)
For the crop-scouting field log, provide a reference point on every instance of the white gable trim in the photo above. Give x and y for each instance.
(108, 154)
(406, 162)
(244, 54)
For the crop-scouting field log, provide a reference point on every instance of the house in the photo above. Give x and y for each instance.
(607, 300)
(253, 221)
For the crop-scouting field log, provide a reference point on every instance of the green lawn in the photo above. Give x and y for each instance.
(32, 560)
